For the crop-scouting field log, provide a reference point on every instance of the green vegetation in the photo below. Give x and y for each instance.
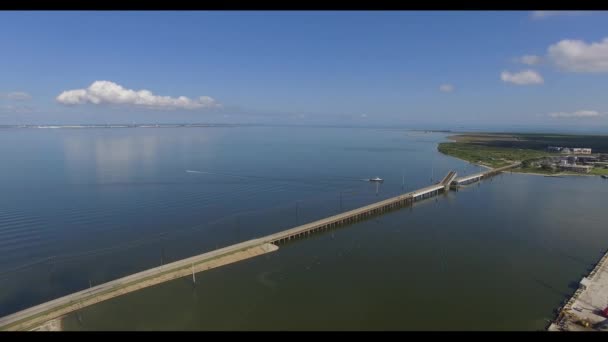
(535, 141)
(500, 149)
(489, 156)
(539, 170)
(598, 171)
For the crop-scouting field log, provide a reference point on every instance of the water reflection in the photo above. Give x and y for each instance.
(132, 156)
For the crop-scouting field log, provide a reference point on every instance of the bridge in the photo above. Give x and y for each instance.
(363, 212)
(33, 317)
(481, 175)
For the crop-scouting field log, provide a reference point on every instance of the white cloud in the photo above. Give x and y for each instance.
(530, 60)
(363, 115)
(106, 92)
(17, 96)
(578, 56)
(546, 14)
(446, 88)
(522, 78)
(577, 115)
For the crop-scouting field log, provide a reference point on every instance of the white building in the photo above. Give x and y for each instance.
(581, 150)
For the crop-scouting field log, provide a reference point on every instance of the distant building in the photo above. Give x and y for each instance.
(586, 160)
(576, 168)
(577, 150)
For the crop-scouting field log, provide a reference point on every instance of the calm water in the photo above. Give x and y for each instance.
(85, 206)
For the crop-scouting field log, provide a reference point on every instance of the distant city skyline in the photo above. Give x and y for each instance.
(437, 69)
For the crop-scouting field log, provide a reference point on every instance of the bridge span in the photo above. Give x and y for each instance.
(481, 175)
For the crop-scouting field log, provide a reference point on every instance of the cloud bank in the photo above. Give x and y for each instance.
(17, 96)
(19, 109)
(576, 115)
(107, 92)
(547, 14)
(525, 77)
(446, 88)
(530, 60)
(579, 56)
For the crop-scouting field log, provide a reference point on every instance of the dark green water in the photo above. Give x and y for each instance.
(109, 202)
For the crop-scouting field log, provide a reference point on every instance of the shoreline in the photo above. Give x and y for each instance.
(526, 173)
(55, 324)
(464, 160)
(590, 291)
(559, 175)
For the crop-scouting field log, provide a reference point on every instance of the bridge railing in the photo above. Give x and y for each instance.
(484, 174)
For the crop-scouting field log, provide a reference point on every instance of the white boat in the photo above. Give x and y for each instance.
(376, 179)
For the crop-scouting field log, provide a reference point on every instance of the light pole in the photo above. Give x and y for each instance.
(297, 219)
(238, 231)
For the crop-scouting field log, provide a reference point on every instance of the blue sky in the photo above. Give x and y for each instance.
(306, 67)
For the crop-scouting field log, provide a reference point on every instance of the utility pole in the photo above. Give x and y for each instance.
(238, 230)
(78, 312)
(162, 254)
(162, 248)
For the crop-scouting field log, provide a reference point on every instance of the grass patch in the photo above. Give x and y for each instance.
(487, 155)
(539, 170)
(501, 149)
(599, 171)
